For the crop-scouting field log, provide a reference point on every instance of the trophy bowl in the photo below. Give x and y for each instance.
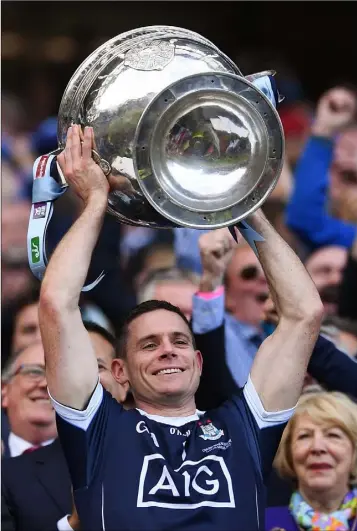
(186, 138)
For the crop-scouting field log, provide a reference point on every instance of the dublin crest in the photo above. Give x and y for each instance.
(210, 432)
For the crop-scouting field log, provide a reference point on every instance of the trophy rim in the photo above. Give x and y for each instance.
(80, 83)
(182, 215)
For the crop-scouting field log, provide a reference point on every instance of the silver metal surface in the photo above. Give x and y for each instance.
(186, 138)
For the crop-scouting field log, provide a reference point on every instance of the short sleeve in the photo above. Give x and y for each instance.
(263, 428)
(83, 435)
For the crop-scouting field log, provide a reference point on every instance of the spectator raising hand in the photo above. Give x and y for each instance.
(326, 174)
(216, 249)
(336, 110)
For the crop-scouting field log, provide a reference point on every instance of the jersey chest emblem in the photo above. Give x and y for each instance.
(210, 432)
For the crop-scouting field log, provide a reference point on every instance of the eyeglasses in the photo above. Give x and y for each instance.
(249, 273)
(32, 372)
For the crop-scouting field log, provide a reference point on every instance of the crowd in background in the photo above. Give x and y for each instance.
(314, 207)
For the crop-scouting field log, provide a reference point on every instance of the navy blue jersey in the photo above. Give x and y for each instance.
(132, 471)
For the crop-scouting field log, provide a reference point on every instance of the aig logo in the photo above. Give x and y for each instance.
(194, 484)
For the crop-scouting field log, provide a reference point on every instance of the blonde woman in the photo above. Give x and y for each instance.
(318, 452)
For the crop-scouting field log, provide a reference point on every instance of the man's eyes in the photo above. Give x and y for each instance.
(149, 346)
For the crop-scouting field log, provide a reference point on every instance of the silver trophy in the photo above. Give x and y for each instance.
(189, 141)
(186, 139)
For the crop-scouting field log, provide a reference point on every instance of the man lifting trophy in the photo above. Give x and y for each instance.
(160, 129)
(186, 139)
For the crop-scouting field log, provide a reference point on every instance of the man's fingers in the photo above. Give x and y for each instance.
(67, 167)
(87, 143)
(76, 147)
(81, 136)
(94, 145)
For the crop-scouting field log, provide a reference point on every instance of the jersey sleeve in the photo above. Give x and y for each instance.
(83, 435)
(263, 428)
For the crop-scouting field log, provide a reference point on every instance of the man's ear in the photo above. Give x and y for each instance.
(4, 395)
(199, 360)
(119, 371)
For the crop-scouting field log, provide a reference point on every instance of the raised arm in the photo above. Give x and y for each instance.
(307, 212)
(280, 364)
(71, 365)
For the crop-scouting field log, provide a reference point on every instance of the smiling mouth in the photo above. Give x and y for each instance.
(322, 466)
(169, 371)
(41, 400)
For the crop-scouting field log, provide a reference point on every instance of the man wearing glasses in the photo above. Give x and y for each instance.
(25, 398)
(233, 288)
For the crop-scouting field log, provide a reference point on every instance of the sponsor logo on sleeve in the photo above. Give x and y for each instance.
(35, 249)
(39, 210)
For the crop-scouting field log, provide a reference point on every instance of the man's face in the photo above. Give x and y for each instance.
(161, 363)
(178, 293)
(14, 281)
(25, 395)
(246, 286)
(27, 328)
(343, 174)
(326, 267)
(105, 354)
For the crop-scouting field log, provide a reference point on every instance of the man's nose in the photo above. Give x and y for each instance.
(167, 349)
(42, 382)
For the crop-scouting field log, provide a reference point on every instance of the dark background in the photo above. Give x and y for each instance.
(44, 42)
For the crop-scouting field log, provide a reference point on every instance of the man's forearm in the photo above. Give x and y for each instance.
(281, 361)
(291, 287)
(68, 268)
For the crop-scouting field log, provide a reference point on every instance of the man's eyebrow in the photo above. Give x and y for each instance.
(146, 338)
(182, 334)
(100, 360)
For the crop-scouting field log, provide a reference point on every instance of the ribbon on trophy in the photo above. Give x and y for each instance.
(49, 185)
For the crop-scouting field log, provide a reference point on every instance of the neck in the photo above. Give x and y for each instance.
(247, 314)
(245, 308)
(326, 501)
(35, 434)
(167, 410)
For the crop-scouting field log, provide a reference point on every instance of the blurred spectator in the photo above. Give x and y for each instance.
(20, 325)
(48, 504)
(16, 279)
(347, 304)
(326, 266)
(343, 175)
(147, 260)
(15, 217)
(296, 118)
(175, 286)
(318, 452)
(284, 185)
(26, 401)
(240, 303)
(343, 334)
(307, 211)
(44, 139)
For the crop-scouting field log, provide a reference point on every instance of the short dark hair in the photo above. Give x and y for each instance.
(141, 309)
(9, 313)
(97, 329)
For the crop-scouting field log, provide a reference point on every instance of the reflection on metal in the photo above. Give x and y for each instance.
(188, 141)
